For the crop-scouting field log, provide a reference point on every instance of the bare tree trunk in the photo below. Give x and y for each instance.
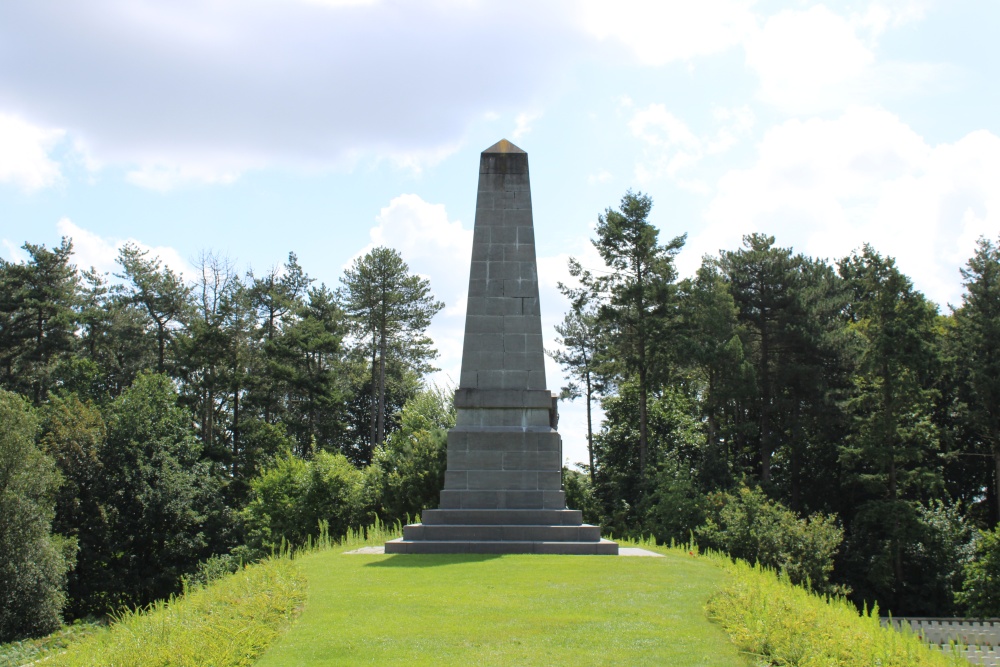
(996, 478)
(590, 429)
(374, 400)
(381, 388)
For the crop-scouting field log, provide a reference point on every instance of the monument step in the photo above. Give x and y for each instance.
(491, 517)
(452, 533)
(502, 499)
(401, 546)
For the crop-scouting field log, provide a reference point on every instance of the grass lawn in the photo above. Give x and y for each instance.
(505, 610)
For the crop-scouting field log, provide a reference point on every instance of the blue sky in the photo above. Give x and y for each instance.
(255, 128)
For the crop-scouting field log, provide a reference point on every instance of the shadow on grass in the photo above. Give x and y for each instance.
(430, 560)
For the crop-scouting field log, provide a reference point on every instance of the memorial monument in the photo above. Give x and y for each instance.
(503, 485)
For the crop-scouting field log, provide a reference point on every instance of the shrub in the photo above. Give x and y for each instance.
(748, 525)
(408, 469)
(290, 498)
(33, 561)
(580, 495)
(980, 594)
(676, 506)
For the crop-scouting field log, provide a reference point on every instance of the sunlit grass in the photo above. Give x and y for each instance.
(776, 623)
(229, 622)
(505, 610)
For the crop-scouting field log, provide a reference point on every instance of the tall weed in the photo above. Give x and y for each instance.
(230, 622)
(779, 623)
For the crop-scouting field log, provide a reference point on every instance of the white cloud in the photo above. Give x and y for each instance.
(189, 92)
(93, 250)
(603, 176)
(825, 187)
(163, 178)
(440, 250)
(25, 154)
(658, 32)
(815, 60)
(670, 146)
(523, 124)
(806, 59)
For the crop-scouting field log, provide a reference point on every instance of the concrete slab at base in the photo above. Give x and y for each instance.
(601, 548)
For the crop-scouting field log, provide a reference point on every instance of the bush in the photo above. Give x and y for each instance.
(291, 497)
(980, 594)
(33, 561)
(408, 469)
(748, 525)
(675, 506)
(580, 495)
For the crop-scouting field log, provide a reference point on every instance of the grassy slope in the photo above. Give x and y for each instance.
(509, 610)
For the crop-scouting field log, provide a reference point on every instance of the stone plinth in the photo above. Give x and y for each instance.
(503, 485)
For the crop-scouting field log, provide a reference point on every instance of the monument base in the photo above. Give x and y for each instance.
(503, 531)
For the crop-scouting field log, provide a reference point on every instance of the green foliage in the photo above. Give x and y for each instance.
(675, 506)
(779, 623)
(410, 464)
(161, 501)
(747, 525)
(980, 594)
(390, 310)
(33, 561)
(231, 622)
(635, 297)
(73, 433)
(37, 301)
(580, 495)
(31, 651)
(292, 496)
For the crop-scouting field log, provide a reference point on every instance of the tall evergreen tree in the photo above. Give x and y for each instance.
(390, 309)
(580, 356)
(892, 453)
(38, 301)
(635, 294)
(159, 290)
(977, 328)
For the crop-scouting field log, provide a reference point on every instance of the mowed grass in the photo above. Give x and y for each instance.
(505, 610)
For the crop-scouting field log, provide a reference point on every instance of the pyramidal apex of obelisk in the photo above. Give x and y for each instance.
(503, 484)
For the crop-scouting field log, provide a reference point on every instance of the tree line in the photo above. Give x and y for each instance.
(822, 417)
(155, 428)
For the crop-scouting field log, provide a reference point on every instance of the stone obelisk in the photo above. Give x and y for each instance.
(503, 486)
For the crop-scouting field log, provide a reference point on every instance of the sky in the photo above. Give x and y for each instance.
(255, 128)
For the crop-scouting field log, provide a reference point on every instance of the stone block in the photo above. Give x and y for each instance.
(484, 201)
(519, 252)
(505, 234)
(536, 380)
(553, 500)
(517, 218)
(507, 480)
(530, 307)
(475, 460)
(517, 361)
(550, 480)
(520, 288)
(526, 235)
(520, 324)
(456, 479)
(523, 460)
(478, 269)
(522, 200)
(503, 517)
